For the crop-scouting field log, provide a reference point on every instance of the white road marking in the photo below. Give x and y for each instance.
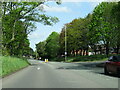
(38, 68)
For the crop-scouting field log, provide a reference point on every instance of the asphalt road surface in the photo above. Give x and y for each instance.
(60, 75)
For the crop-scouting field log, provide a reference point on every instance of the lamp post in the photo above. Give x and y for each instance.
(65, 44)
(36, 53)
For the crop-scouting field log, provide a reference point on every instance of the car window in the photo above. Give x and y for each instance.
(118, 58)
(115, 58)
(110, 59)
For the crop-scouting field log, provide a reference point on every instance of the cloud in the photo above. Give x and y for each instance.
(54, 9)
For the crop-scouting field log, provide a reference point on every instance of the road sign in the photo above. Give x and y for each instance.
(65, 53)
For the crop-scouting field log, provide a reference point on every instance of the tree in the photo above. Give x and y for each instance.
(0, 28)
(40, 47)
(18, 21)
(62, 42)
(102, 26)
(77, 36)
(52, 45)
(115, 13)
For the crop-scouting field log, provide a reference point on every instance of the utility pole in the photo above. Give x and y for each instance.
(36, 53)
(65, 44)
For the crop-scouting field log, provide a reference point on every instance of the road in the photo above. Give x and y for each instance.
(59, 75)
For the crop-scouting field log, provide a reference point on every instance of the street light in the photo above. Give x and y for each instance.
(36, 53)
(65, 45)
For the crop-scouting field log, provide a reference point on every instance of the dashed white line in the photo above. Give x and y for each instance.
(38, 68)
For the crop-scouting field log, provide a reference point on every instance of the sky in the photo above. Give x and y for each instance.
(66, 12)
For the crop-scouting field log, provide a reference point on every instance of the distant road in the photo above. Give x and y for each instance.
(60, 75)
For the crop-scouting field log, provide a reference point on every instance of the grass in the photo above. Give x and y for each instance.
(11, 64)
(82, 58)
(87, 58)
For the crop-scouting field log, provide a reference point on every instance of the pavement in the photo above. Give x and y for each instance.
(60, 75)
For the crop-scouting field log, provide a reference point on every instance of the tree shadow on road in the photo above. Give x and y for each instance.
(89, 67)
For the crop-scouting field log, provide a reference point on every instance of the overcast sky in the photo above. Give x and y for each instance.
(66, 12)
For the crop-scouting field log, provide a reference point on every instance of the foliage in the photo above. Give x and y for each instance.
(103, 26)
(11, 64)
(98, 32)
(52, 45)
(76, 35)
(82, 58)
(89, 58)
(62, 42)
(115, 13)
(94, 32)
(40, 47)
(18, 20)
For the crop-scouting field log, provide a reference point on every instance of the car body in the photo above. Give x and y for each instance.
(112, 66)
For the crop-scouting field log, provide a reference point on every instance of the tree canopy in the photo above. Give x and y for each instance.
(50, 47)
(18, 20)
(98, 32)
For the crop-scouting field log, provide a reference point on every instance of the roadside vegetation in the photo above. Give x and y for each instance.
(82, 58)
(98, 33)
(12, 64)
(91, 58)
(18, 21)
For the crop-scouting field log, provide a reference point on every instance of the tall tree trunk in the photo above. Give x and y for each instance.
(80, 52)
(107, 49)
(75, 52)
(83, 52)
(95, 49)
(87, 51)
(100, 49)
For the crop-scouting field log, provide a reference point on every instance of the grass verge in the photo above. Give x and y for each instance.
(91, 58)
(82, 58)
(11, 64)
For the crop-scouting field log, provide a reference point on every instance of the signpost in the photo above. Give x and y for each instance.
(65, 56)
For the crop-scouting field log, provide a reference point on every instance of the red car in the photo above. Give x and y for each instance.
(112, 66)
